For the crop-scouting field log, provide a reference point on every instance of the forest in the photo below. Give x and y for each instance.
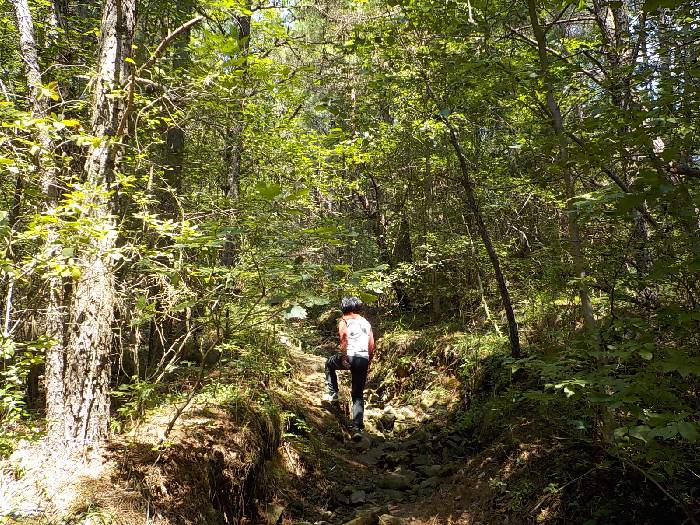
(189, 188)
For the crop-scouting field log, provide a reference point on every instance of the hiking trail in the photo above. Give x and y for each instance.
(404, 469)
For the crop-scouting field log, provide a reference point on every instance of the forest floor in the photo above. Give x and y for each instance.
(443, 447)
(296, 463)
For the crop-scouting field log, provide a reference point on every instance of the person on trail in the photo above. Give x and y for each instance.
(356, 352)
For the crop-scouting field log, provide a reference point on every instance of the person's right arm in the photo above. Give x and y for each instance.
(343, 336)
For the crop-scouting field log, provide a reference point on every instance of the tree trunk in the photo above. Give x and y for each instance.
(172, 171)
(87, 374)
(54, 314)
(479, 280)
(429, 193)
(233, 153)
(618, 46)
(174, 144)
(475, 209)
(473, 204)
(164, 330)
(570, 181)
(28, 47)
(402, 253)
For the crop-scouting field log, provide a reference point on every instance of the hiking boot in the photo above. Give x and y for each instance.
(331, 398)
(356, 434)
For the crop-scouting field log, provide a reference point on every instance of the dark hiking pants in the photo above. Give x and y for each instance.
(358, 370)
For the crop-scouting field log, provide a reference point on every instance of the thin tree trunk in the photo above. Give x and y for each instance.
(475, 209)
(623, 53)
(570, 181)
(174, 146)
(479, 281)
(234, 148)
(90, 339)
(429, 193)
(54, 314)
(16, 209)
(377, 218)
(164, 330)
(402, 253)
(175, 135)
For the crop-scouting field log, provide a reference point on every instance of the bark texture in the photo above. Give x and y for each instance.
(27, 45)
(54, 313)
(87, 375)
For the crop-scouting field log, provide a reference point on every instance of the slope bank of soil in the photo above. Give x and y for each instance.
(212, 469)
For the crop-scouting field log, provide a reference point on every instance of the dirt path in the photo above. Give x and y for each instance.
(403, 470)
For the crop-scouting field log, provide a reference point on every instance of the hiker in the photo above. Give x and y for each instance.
(357, 349)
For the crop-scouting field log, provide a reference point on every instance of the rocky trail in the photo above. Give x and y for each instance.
(402, 471)
(278, 456)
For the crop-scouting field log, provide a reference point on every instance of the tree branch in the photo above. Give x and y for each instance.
(615, 178)
(167, 41)
(154, 56)
(554, 52)
(683, 169)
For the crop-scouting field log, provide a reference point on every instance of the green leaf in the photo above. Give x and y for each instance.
(183, 306)
(681, 363)
(578, 424)
(368, 298)
(314, 300)
(268, 191)
(640, 432)
(687, 430)
(621, 433)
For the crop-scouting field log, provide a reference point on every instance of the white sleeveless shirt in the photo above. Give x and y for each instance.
(358, 336)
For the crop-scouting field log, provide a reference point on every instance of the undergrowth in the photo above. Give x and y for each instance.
(250, 365)
(605, 436)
